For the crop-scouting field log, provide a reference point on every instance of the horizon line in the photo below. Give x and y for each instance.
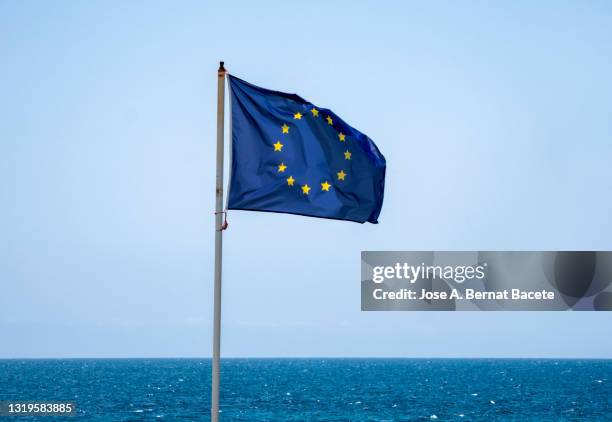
(313, 358)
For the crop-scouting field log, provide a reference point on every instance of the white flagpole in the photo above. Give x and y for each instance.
(216, 352)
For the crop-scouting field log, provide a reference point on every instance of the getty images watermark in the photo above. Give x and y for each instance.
(464, 281)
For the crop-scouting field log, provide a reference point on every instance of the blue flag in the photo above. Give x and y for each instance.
(290, 156)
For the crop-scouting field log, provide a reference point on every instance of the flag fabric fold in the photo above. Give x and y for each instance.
(290, 156)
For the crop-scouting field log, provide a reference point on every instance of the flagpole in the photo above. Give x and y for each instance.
(216, 352)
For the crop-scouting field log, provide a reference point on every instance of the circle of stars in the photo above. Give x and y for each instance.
(282, 167)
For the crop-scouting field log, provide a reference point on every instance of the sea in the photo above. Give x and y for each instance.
(316, 389)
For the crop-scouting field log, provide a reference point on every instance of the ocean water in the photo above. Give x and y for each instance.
(318, 389)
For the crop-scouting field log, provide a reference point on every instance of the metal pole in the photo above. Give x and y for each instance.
(216, 353)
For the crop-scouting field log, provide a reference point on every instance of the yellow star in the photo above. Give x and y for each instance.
(277, 146)
(347, 155)
(342, 136)
(325, 186)
(297, 115)
(341, 175)
(329, 120)
(285, 128)
(290, 180)
(315, 112)
(305, 189)
(282, 167)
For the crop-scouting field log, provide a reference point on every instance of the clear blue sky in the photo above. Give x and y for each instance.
(494, 117)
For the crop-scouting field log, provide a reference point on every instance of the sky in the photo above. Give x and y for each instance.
(494, 118)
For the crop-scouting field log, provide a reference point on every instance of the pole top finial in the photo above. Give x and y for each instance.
(221, 67)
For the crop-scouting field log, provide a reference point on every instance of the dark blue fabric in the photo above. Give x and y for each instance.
(312, 154)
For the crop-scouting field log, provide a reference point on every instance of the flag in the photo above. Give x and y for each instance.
(290, 156)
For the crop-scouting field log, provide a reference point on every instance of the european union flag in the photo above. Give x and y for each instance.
(291, 156)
